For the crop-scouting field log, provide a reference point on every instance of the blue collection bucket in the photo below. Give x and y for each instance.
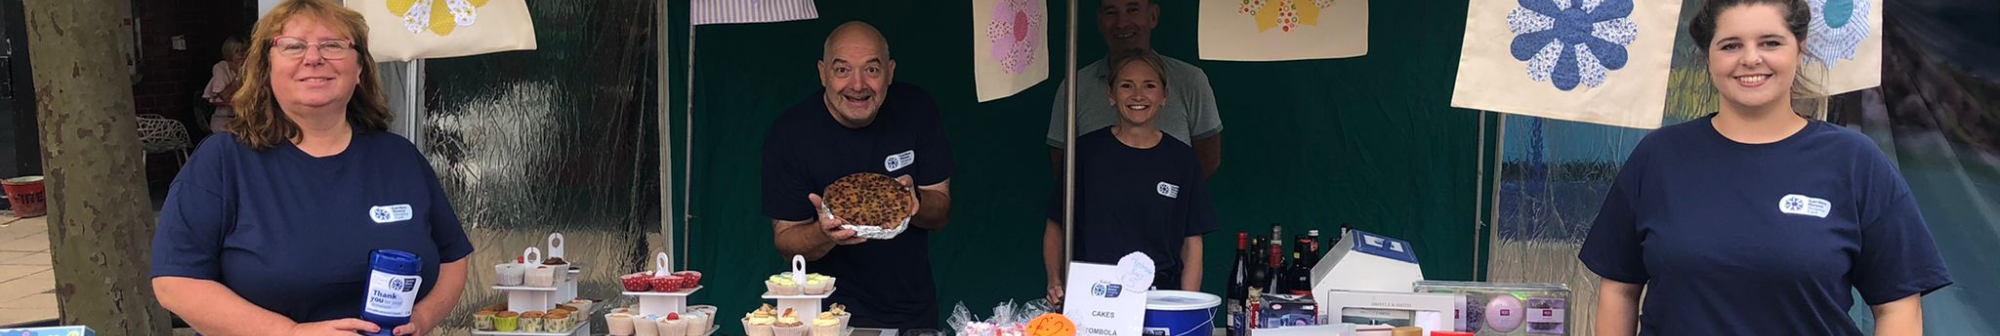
(1180, 313)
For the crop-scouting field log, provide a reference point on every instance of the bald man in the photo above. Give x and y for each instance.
(861, 121)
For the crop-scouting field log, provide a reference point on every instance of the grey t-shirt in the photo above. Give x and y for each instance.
(1189, 114)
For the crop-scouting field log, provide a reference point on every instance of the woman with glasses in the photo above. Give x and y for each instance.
(270, 227)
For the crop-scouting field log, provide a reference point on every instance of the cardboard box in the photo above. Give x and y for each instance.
(1432, 312)
(1364, 261)
(1336, 329)
(1542, 307)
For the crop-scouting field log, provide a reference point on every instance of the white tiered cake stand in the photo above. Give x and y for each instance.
(806, 306)
(526, 298)
(661, 303)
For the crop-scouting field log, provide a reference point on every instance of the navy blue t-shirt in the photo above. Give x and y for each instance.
(292, 233)
(884, 283)
(1761, 239)
(1136, 200)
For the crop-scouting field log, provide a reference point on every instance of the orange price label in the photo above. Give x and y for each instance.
(1051, 325)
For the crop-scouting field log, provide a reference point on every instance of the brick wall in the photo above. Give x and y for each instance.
(171, 80)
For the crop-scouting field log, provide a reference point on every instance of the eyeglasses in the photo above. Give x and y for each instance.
(292, 47)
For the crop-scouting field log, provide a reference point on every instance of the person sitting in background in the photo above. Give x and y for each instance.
(222, 84)
(1137, 189)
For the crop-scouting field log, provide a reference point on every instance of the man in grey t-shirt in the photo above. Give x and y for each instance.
(1189, 114)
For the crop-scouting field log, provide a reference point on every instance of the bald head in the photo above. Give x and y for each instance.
(856, 71)
(855, 34)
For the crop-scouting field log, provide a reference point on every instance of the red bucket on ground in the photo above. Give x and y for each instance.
(26, 195)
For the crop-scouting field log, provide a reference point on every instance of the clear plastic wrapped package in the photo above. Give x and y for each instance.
(1501, 309)
(1009, 319)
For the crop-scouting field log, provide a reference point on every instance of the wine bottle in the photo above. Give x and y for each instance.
(1277, 283)
(1239, 290)
(1300, 272)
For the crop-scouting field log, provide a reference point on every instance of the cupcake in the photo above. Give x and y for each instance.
(703, 309)
(532, 321)
(510, 274)
(483, 320)
(575, 320)
(562, 269)
(673, 325)
(556, 321)
(495, 308)
(644, 325)
(582, 305)
(781, 285)
(815, 287)
(506, 321)
(541, 276)
(759, 323)
(637, 282)
(827, 325)
(789, 324)
(618, 324)
(668, 283)
(840, 311)
(698, 323)
(693, 278)
(829, 281)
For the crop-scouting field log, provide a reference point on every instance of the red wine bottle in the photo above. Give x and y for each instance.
(1239, 286)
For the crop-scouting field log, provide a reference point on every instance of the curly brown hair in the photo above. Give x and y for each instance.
(260, 122)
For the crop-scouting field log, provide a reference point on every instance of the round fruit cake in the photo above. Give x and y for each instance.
(869, 199)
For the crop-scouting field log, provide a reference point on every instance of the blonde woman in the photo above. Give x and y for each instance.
(222, 84)
(1137, 188)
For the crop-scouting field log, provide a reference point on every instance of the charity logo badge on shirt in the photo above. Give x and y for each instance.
(1168, 189)
(900, 160)
(384, 214)
(1796, 204)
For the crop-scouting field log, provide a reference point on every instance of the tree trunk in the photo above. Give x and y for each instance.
(100, 220)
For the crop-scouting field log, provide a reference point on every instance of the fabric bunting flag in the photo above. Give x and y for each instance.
(707, 12)
(403, 30)
(1010, 51)
(1597, 61)
(1844, 45)
(1282, 30)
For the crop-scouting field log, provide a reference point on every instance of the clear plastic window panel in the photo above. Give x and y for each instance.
(561, 139)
